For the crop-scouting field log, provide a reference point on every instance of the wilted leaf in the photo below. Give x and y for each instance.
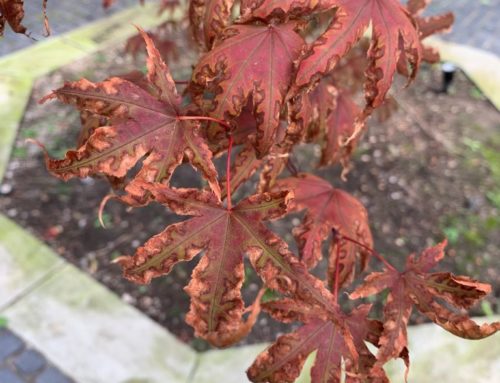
(329, 208)
(339, 127)
(416, 286)
(209, 18)
(250, 61)
(12, 12)
(283, 361)
(394, 32)
(225, 236)
(137, 123)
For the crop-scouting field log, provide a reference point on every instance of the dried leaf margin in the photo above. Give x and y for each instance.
(225, 235)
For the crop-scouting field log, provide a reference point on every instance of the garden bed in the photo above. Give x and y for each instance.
(431, 170)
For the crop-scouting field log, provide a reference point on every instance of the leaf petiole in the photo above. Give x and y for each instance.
(336, 234)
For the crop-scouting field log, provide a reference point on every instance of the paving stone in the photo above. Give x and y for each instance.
(9, 344)
(30, 361)
(7, 376)
(24, 261)
(93, 336)
(51, 375)
(472, 18)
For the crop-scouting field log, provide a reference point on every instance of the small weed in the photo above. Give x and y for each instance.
(20, 152)
(29, 133)
(487, 309)
(476, 94)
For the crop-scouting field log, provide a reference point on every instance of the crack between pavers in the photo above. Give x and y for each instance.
(52, 272)
(194, 369)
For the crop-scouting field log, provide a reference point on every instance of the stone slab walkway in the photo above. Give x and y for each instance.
(20, 363)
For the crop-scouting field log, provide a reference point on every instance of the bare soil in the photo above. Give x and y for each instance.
(432, 170)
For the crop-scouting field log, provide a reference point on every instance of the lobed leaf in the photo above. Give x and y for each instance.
(250, 60)
(138, 124)
(209, 18)
(427, 26)
(394, 32)
(225, 236)
(12, 13)
(416, 286)
(340, 126)
(329, 208)
(334, 343)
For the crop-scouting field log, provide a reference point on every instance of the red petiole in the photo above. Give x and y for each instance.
(337, 273)
(375, 253)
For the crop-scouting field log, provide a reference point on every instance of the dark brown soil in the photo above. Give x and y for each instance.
(432, 170)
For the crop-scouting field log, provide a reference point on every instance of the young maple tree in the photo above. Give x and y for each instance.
(270, 76)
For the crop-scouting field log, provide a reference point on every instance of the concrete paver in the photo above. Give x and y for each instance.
(476, 22)
(19, 363)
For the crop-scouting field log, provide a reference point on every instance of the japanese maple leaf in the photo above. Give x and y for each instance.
(250, 60)
(416, 286)
(268, 9)
(332, 121)
(429, 25)
(394, 32)
(136, 123)
(209, 18)
(224, 235)
(329, 208)
(12, 12)
(283, 361)
(339, 128)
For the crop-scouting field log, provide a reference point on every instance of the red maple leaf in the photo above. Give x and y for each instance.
(283, 361)
(209, 18)
(394, 32)
(329, 208)
(416, 286)
(225, 235)
(250, 61)
(12, 12)
(128, 123)
(339, 127)
(429, 25)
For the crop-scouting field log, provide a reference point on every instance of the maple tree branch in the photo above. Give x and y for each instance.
(375, 253)
(337, 273)
(185, 82)
(228, 171)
